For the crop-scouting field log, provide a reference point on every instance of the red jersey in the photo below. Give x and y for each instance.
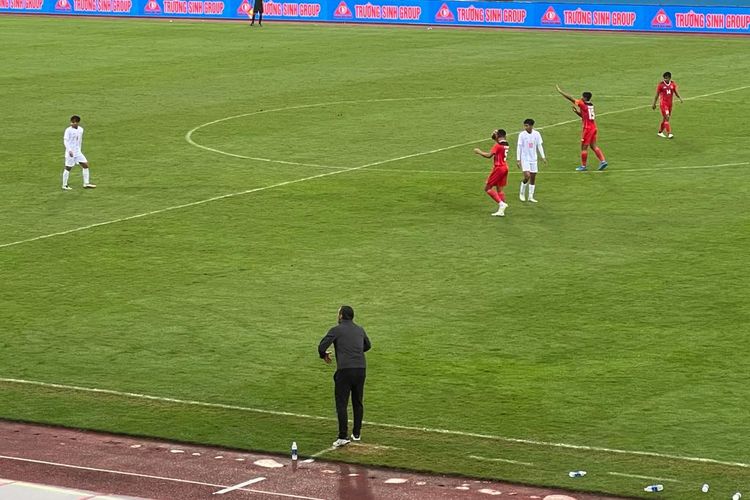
(666, 92)
(500, 152)
(587, 114)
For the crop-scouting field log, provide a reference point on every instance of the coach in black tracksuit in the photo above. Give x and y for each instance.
(350, 343)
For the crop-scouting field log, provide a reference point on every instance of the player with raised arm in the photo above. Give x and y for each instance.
(529, 141)
(498, 178)
(73, 155)
(666, 90)
(585, 109)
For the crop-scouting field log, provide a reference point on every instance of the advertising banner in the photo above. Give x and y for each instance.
(620, 17)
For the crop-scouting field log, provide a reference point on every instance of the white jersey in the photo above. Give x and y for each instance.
(72, 139)
(528, 143)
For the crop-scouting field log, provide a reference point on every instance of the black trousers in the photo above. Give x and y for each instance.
(349, 381)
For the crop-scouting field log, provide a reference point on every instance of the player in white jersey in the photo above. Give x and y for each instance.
(529, 141)
(73, 155)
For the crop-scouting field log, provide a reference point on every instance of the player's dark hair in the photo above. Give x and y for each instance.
(586, 95)
(347, 312)
(501, 132)
(667, 74)
(75, 118)
(528, 121)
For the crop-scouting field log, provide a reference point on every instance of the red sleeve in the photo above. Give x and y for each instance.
(497, 148)
(658, 88)
(581, 105)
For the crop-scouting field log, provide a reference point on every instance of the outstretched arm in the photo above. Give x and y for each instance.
(482, 153)
(567, 96)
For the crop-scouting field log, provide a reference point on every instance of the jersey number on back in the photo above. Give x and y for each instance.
(592, 116)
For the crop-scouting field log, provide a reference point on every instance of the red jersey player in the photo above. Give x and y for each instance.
(585, 109)
(498, 178)
(666, 90)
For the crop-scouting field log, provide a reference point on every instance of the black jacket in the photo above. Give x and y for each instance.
(350, 343)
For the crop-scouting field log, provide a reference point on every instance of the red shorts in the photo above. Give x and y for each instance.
(588, 136)
(666, 110)
(498, 177)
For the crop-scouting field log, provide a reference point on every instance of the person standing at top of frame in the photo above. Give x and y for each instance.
(666, 90)
(258, 9)
(350, 342)
(72, 139)
(529, 141)
(585, 109)
(498, 178)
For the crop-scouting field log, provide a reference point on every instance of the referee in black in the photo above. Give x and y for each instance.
(350, 343)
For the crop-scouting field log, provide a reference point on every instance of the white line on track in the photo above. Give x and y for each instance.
(149, 476)
(240, 485)
(312, 177)
(504, 460)
(530, 442)
(644, 477)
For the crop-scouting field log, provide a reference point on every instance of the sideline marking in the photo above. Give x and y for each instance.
(240, 485)
(572, 171)
(148, 476)
(333, 172)
(501, 460)
(378, 424)
(643, 477)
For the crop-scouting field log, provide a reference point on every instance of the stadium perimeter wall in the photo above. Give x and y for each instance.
(571, 15)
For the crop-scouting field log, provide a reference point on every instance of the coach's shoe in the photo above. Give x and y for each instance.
(340, 442)
(533, 200)
(89, 186)
(581, 169)
(67, 188)
(661, 134)
(671, 136)
(602, 165)
(356, 438)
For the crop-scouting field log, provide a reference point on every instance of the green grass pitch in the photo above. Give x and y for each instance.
(613, 314)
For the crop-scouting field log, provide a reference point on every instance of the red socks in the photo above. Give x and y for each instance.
(598, 153)
(584, 157)
(498, 197)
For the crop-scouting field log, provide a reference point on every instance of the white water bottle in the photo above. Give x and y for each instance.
(577, 473)
(654, 487)
(294, 451)
(704, 488)
(737, 496)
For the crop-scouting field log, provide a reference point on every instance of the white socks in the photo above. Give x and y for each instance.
(86, 176)
(532, 188)
(523, 188)
(66, 174)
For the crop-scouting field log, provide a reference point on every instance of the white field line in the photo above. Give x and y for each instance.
(531, 442)
(504, 460)
(312, 177)
(475, 172)
(323, 452)
(240, 485)
(649, 478)
(149, 476)
(188, 136)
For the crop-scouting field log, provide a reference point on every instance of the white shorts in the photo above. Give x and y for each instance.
(529, 166)
(71, 161)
